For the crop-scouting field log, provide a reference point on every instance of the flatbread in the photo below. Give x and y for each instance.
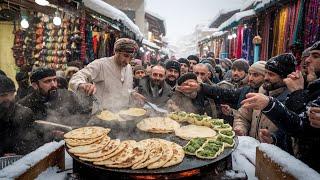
(87, 148)
(91, 132)
(107, 116)
(166, 155)
(111, 147)
(158, 125)
(136, 112)
(105, 159)
(193, 131)
(82, 142)
(156, 152)
(178, 155)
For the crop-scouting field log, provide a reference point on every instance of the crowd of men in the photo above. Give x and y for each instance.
(270, 100)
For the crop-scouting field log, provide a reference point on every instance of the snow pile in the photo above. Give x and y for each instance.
(113, 13)
(249, 3)
(289, 163)
(150, 44)
(235, 175)
(51, 174)
(22, 165)
(236, 17)
(244, 157)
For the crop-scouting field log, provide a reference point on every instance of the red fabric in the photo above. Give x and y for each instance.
(239, 41)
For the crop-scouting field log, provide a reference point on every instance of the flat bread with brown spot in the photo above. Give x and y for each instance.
(178, 155)
(110, 148)
(166, 155)
(91, 132)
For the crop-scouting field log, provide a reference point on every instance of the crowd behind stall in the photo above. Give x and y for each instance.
(275, 101)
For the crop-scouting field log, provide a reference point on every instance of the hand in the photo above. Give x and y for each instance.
(239, 131)
(138, 97)
(88, 88)
(265, 136)
(189, 86)
(311, 75)
(255, 101)
(314, 117)
(294, 81)
(226, 109)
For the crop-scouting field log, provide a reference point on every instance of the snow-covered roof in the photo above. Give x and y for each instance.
(236, 17)
(289, 163)
(150, 44)
(155, 15)
(221, 17)
(215, 34)
(109, 11)
(263, 4)
(249, 3)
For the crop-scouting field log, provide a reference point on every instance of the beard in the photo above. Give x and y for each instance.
(156, 86)
(170, 82)
(50, 95)
(267, 85)
(255, 85)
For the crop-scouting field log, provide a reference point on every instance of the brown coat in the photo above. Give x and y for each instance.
(251, 121)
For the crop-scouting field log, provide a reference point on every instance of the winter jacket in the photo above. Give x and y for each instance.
(64, 108)
(251, 121)
(199, 105)
(17, 131)
(23, 92)
(144, 89)
(294, 120)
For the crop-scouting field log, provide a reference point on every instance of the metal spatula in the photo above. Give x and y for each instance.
(156, 108)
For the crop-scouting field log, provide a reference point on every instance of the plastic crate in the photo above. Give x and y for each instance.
(6, 161)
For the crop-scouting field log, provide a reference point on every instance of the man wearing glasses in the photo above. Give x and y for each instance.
(109, 79)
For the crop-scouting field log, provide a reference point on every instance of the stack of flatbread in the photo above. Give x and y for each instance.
(158, 125)
(113, 153)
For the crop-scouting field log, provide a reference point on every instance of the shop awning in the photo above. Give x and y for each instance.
(150, 44)
(234, 20)
(107, 10)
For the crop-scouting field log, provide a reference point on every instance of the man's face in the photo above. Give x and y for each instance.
(123, 58)
(237, 75)
(158, 75)
(139, 74)
(47, 85)
(6, 99)
(313, 62)
(201, 71)
(192, 63)
(255, 80)
(184, 68)
(272, 81)
(172, 74)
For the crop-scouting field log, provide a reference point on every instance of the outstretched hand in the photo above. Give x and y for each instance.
(256, 101)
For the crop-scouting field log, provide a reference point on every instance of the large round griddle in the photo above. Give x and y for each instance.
(127, 130)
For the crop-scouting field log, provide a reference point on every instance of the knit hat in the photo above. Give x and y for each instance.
(137, 68)
(193, 57)
(227, 61)
(6, 85)
(306, 53)
(240, 64)
(315, 46)
(283, 64)
(41, 73)
(22, 76)
(209, 60)
(185, 61)
(258, 67)
(173, 65)
(2, 73)
(125, 45)
(185, 77)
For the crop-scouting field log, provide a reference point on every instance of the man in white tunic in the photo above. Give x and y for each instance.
(110, 79)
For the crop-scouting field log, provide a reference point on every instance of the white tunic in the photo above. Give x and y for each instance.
(113, 83)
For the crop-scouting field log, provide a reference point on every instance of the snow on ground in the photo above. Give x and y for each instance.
(23, 164)
(51, 174)
(236, 17)
(289, 163)
(113, 13)
(244, 156)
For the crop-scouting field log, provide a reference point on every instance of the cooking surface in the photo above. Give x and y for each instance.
(127, 130)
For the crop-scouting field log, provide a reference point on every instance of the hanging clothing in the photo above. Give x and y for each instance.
(312, 22)
(239, 41)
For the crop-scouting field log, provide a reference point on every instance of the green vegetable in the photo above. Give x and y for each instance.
(225, 126)
(227, 133)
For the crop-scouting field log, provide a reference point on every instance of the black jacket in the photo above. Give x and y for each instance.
(144, 88)
(64, 108)
(294, 120)
(17, 131)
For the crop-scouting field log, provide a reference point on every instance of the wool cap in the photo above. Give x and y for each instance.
(41, 73)
(185, 77)
(258, 67)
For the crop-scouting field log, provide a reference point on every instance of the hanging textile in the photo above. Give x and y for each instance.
(247, 51)
(298, 25)
(292, 18)
(89, 41)
(265, 38)
(279, 32)
(312, 22)
(239, 41)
